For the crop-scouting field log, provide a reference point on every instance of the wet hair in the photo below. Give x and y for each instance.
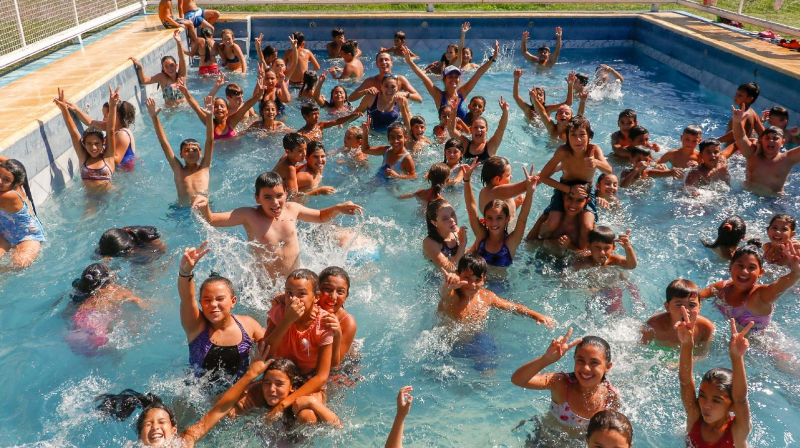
(627, 113)
(729, 233)
(575, 123)
(610, 420)
(262, 107)
(582, 78)
(314, 147)
(97, 132)
(334, 271)
(417, 119)
(305, 274)
(122, 405)
(497, 203)
(438, 174)
(544, 47)
(751, 247)
(307, 108)
(292, 140)
(441, 110)
(602, 234)
(493, 167)
(163, 60)
(92, 278)
(386, 52)
(336, 32)
(474, 263)
(122, 241)
(299, 37)
(774, 130)
(470, 118)
(19, 178)
(454, 142)
(479, 98)
(356, 131)
(346, 101)
(693, 130)
(213, 277)
(233, 89)
(708, 143)
(396, 125)
(639, 151)
(721, 378)
(444, 60)
(126, 114)
(636, 132)
(269, 51)
(400, 35)
(349, 47)
(597, 342)
(751, 89)
(681, 288)
(477, 119)
(779, 111)
(290, 369)
(310, 78)
(189, 141)
(431, 213)
(205, 33)
(268, 179)
(782, 216)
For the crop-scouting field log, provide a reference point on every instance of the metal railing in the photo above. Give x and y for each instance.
(28, 27)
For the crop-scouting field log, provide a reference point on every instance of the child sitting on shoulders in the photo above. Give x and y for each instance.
(566, 236)
(601, 250)
(417, 140)
(437, 175)
(313, 127)
(686, 156)
(713, 166)
(621, 140)
(399, 43)
(295, 147)
(683, 302)
(641, 158)
(781, 233)
(729, 234)
(309, 175)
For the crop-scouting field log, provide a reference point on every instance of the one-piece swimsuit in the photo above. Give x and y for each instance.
(233, 360)
(20, 226)
(461, 110)
(450, 251)
(743, 315)
(695, 436)
(500, 259)
(128, 159)
(397, 167)
(381, 120)
(564, 413)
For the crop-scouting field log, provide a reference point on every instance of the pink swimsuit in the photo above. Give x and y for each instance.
(563, 412)
(229, 133)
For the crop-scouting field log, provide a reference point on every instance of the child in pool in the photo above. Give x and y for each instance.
(306, 91)
(219, 341)
(605, 190)
(304, 58)
(445, 243)
(609, 429)
(353, 68)
(722, 391)
(492, 240)
(335, 45)
(538, 94)
(275, 87)
(395, 157)
(231, 54)
(746, 94)
(463, 298)
(97, 162)
(620, 140)
(273, 222)
(399, 43)
(404, 399)
(641, 158)
(686, 156)
(192, 177)
(142, 243)
(313, 127)
(729, 234)
(386, 106)
(437, 175)
(372, 85)
(605, 74)
(334, 289)
(742, 297)
(577, 396)
(781, 232)
(683, 299)
(557, 129)
(579, 159)
(476, 106)
(496, 178)
(170, 21)
(233, 94)
(299, 329)
(309, 175)
(440, 130)
(171, 73)
(767, 167)
(280, 380)
(295, 147)
(200, 18)
(100, 307)
(713, 166)
(124, 143)
(566, 236)
(21, 233)
(480, 148)
(466, 60)
(206, 48)
(543, 58)
(338, 103)
(453, 150)
(416, 138)
(353, 137)
(778, 116)
(452, 55)
(601, 250)
(224, 122)
(641, 137)
(268, 111)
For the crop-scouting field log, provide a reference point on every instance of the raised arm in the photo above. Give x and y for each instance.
(630, 256)
(208, 153)
(770, 293)
(236, 217)
(261, 61)
(528, 57)
(192, 319)
(743, 142)
(434, 91)
(181, 55)
(258, 93)
(326, 214)
(318, 89)
(199, 111)
(153, 111)
(543, 115)
(582, 104)
(111, 136)
(144, 79)
(84, 117)
(613, 72)
(217, 85)
(404, 399)
(528, 375)
(469, 199)
(551, 61)
(741, 407)
(525, 107)
(459, 59)
(531, 181)
(61, 102)
(685, 329)
(494, 143)
(469, 85)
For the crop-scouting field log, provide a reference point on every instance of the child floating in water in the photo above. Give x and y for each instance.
(683, 299)
(781, 232)
(446, 242)
(686, 156)
(729, 234)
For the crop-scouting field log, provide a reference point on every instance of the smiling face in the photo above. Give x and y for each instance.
(275, 387)
(269, 111)
(271, 200)
(564, 113)
(538, 93)
(384, 63)
(227, 39)
(298, 154)
(779, 231)
(317, 160)
(270, 80)
(452, 80)
(217, 301)
(601, 252)
(446, 220)
(746, 271)
(312, 117)
(641, 140)
(626, 123)
(418, 130)
(608, 186)
(710, 156)
(474, 282)
(579, 139)
(607, 438)
(333, 293)
(451, 54)
(279, 65)
(302, 289)
(691, 303)
(351, 139)
(169, 67)
(690, 141)
(479, 130)
(338, 96)
(191, 152)
(495, 220)
(714, 404)
(220, 109)
(157, 429)
(94, 145)
(503, 179)
(590, 365)
(389, 86)
(476, 106)
(543, 54)
(452, 155)
(236, 99)
(397, 139)
(574, 204)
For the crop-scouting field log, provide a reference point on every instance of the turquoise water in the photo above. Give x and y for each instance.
(49, 385)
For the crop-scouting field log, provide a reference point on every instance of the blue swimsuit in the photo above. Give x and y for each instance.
(380, 119)
(20, 226)
(461, 110)
(196, 17)
(397, 167)
(502, 259)
(127, 159)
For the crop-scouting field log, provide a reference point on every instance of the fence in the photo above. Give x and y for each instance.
(28, 27)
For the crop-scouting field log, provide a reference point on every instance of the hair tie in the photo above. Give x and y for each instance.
(728, 226)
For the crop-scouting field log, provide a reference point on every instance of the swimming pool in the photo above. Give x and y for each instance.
(51, 386)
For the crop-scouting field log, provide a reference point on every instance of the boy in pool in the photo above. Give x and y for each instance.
(352, 146)
(713, 166)
(543, 58)
(746, 95)
(337, 40)
(304, 57)
(295, 147)
(312, 130)
(273, 222)
(601, 250)
(399, 43)
(170, 21)
(686, 156)
(779, 116)
(641, 168)
(620, 139)
(191, 177)
(682, 295)
(353, 68)
(197, 16)
(463, 298)
(567, 234)
(641, 137)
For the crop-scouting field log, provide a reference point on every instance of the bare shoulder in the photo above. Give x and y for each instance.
(596, 150)
(248, 322)
(658, 320)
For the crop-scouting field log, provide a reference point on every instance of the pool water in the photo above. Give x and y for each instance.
(50, 384)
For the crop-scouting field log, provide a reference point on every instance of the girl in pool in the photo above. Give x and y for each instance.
(466, 60)
(496, 179)
(396, 159)
(142, 242)
(437, 175)
(729, 234)
(452, 55)
(479, 148)
(605, 190)
(387, 106)
(538, 94)
(171, 73)
(722, 392)
(310, 78)
(454, 93)
(477, 104)
(494, 243)
(224, 124)
(21, 233)
(231, 54)
(268, 111)
(206, 48)
(453, 150)
(781, 232)
(417, 141)
(219, 341)
(440, 130)
(609, 428)
(334, 289)
(309, 176)
(100, 306)
(338, 103)
(97, 162)
(742, 297)
(577, 396)
(445, 243)
(125, 145)
(276, 89)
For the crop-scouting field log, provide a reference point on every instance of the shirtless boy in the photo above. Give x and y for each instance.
(353, 68)
(372, 84)
(683, 302)
(686, 156)
(170, 21)
(199, 17)
(543, 58)
(304, 57)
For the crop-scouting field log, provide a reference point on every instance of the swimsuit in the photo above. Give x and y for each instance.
(557, 200)
(742, 315)
(168, 25)
(128, 159)
(450, 251)
(170, 93)
(502, 259)
(196, 17)
(695, 437)
(21, 225)
(468, 156)
(212, 69)
(564, 414)
(229, 133)
(380, 119)
(233, 60)
(396, 167)
(103, 173)
(233, 360)
(461, 110)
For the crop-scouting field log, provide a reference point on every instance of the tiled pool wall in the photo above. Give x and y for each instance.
(51, 162)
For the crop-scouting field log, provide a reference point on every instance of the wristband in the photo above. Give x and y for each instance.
(189, 275)
(466, 181)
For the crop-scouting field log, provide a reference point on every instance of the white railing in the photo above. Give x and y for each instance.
(31, 26)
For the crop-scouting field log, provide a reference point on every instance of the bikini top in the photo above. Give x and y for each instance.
(695, 436)
(743, 315)
(103, 173)
(170, 93)
(229, 133)
(502, 259)
(563, 412)
(382, 119)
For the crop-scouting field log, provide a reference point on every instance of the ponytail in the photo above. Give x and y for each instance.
(20, 178)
